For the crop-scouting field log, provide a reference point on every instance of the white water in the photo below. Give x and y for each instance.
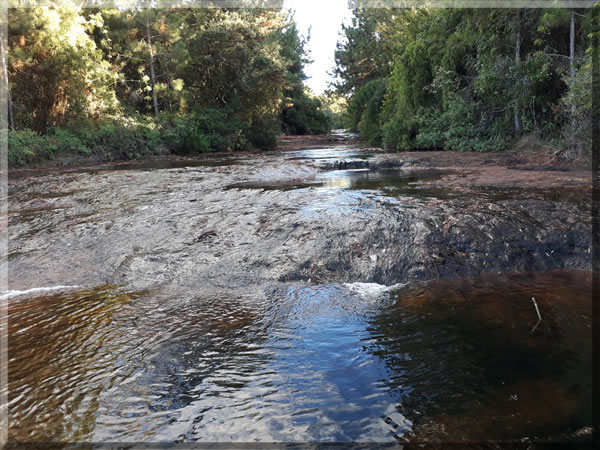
(372, 290)
(38, 290)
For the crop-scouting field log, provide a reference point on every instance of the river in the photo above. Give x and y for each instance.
(328, 294)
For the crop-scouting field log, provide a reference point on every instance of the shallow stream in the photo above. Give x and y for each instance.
(273, 300)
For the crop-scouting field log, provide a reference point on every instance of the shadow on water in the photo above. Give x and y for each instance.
(450, 360)
(468, 368)
(161, 164)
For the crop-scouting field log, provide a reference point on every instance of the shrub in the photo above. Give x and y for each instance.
(263, 132)
(361, 100)
(305, 116)
(61, 139)
(134, 136)
(398, 134)
(210, 130)
(369, 125)
(463, 125)
(21, 146)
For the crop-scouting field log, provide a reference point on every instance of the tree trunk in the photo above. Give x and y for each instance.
(152, 76)
(572, 62)
(11, 120)
(517, 59)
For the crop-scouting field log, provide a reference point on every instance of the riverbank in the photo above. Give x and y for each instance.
(521, 168)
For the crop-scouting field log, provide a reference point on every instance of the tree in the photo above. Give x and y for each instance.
(469, 79)
(364, 52)
(5, 84)
(301, 111)
(151, 63)
(57, 71)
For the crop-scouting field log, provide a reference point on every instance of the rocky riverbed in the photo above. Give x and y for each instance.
(330, 214)
(168, 262)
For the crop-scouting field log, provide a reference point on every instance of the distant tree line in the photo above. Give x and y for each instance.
(468, 79)
(125, 83)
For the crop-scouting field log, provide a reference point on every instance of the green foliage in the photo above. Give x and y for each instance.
(127, 140)
(56, 71)
(120, 83)
(22, 145)
(461, 126)
(26, 146)
(304, 116)
(360, 102)
(369, 123)
(398, 133)
(334, 107)
(301, 113)
(364, 52)
(576, 110)
(210, 130)
(263, 132)
(464, 79)
(65, 140)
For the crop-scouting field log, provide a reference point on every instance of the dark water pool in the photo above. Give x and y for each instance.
(391, 181)
(450, 360)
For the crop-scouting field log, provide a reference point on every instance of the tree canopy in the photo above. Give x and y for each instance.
(467, 79)
(183, 80)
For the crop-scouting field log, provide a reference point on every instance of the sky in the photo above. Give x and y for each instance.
(325, 18)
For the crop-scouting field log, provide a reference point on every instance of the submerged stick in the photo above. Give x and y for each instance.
(537, 310)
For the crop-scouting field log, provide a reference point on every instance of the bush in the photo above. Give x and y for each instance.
(369, 125)
(398, 134)
(263, 132)
(463, 126)
(21, 146)
(361, 101)
(305, 116)
(61, 139)
(134, 136)
(211, 130)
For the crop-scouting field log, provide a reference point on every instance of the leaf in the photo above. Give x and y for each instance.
(177, 84)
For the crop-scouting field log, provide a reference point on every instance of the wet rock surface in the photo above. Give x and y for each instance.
(285, 217)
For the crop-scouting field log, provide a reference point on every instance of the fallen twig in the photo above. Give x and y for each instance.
(537, 310)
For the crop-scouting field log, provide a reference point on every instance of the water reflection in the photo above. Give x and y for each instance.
(448, 360)
(392, 182)
(330, 153)
(63, 351)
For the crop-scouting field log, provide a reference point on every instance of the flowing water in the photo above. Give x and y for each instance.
(296, 315)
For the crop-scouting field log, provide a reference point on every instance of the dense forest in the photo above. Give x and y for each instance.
(469, 79)
(127, 83)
